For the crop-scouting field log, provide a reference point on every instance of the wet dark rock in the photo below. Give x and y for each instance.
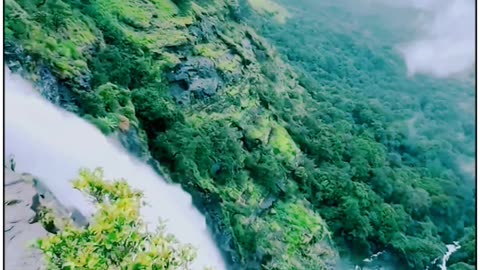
(56, 92)
(260, 54)
(204, 66)
(179, 94)
(131, 140)
(210, 206)
(204, 31)
(83, 82)
(196, 75)
(78, 218)
(182, 75)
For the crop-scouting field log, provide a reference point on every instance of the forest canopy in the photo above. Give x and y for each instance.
(300, 136)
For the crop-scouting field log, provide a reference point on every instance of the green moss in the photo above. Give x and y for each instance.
(233, 45)
(304, 224)
(117, 102)
(209, 50)
(282, 143)
(260, 131)
(298, 238)
(229, 66)
(219, 54)
(148, 24)
(169, 60)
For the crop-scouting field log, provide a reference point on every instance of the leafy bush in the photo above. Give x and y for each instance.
(117, 237)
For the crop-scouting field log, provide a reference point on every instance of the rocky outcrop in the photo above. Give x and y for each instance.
(196, 76)
(20, 231)
(45, 81)
(25, 201)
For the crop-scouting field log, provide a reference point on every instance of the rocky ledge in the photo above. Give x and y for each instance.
(26, 200)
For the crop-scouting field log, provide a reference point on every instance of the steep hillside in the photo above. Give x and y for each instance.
(282, 162)
(424, 125)
(198, 83)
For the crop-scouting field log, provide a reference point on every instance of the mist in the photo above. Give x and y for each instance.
(53, 144)
(445, 42)
(437, 37)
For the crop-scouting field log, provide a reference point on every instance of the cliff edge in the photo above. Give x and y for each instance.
(26, 200)
(21, 228)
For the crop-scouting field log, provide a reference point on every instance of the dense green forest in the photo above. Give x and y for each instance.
(302, 141)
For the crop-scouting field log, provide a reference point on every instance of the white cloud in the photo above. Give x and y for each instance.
(445, 43)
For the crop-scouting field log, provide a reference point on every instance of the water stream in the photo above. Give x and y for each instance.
(380, 261)
(54, 144)
(450, 250)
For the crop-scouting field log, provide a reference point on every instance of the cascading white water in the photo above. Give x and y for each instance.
(54, 144)
(450, 250)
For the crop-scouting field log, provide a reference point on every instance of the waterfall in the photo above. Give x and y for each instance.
(450, 250)
(54, 144)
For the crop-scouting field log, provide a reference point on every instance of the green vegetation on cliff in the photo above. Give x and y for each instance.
(284, 160)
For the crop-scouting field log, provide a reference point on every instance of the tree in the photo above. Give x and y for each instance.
(183, 5)
(116, 237)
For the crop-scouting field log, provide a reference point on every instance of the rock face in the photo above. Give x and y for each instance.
(197, 75)
(24, 198)
(20, 231)
(48, 85)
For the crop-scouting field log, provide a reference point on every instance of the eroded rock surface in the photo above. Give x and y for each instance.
(25, 197)
(19, 231)
(197, 75)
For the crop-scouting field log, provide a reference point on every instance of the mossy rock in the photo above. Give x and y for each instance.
(282, 143)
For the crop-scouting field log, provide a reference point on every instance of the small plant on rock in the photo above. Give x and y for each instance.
(116, 238)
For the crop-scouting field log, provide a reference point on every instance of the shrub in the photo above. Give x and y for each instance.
(116, 237)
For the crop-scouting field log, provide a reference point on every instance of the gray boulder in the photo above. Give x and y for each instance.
(202, 87)
(25, 198)
(19, 231)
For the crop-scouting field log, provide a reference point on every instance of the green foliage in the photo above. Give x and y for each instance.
(336, 122)
(53, 33)
(417, 252)
(105, 125)
(117, 237)
(116, 100)
(282, 143)
(381, 181)
(270, 7)
(183, 5)
(462, 266)
(466, 255)
(299, 238)
(209, 51)
(219, 157)
(155, 109)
